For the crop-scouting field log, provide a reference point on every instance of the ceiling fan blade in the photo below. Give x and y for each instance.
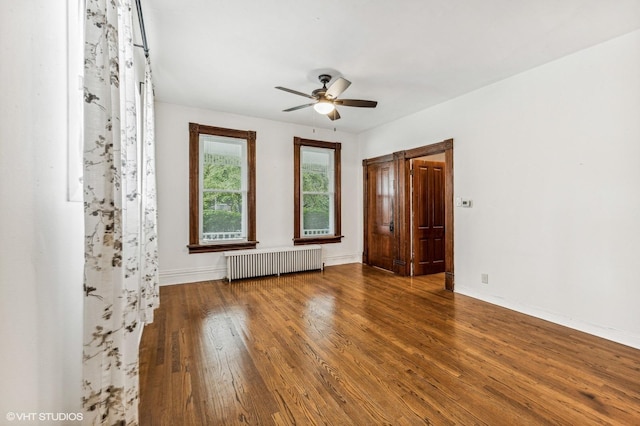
(356, 103)
(334, 115)
(298, 107)
(337, 87)
(295, 92)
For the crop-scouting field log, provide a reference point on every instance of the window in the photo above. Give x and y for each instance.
(221, 189)
(316, 192)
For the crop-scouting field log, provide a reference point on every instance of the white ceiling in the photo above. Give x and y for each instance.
(406, 54)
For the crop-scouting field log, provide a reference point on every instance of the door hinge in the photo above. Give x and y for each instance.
(411, 172)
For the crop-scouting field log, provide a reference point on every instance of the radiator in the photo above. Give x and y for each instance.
(272, 261)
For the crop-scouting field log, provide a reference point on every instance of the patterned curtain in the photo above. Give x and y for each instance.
(120, 281)
(150, 297)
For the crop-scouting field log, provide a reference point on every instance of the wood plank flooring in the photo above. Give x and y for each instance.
(354, 345)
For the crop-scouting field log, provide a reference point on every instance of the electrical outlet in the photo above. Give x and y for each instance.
(485, 278)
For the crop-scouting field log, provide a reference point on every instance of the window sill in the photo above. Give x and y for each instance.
(216, 247)
(317, 240)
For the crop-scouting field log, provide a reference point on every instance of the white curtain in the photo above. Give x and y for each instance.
(120, 282)
(149, 294)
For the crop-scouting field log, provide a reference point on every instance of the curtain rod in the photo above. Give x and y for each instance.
(144, 46)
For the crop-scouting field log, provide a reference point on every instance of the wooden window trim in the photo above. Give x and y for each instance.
(337, 236)
(194, 246)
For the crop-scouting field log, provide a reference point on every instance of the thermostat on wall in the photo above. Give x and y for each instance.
(463, 202)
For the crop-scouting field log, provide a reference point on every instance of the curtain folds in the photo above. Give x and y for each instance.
(120, 274)
(149, 291)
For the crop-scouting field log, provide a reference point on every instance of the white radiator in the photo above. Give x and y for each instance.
(272, 261)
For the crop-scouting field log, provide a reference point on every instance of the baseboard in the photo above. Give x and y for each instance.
(191, 275)
(615, 335)
(341, 260)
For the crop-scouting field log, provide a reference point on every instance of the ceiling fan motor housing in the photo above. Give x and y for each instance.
(319, 93)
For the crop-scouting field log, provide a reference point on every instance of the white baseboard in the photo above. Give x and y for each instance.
(341, 260)
(191, 275)
(618, 336)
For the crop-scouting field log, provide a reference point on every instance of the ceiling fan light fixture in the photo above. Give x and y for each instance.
(324, 106)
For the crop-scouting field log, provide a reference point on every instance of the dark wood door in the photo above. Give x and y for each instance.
(380, 199)
(428, 217)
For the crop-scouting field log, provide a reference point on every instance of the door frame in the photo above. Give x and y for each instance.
(402, 206)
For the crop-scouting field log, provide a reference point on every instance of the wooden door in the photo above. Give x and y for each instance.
(428, 217)
(379, 211)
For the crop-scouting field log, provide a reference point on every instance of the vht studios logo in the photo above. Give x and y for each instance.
(43, 417)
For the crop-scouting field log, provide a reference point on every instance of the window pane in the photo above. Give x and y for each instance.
(222, 163)
(316, 170)
(222, 216)
(316, 214)
(223, 168)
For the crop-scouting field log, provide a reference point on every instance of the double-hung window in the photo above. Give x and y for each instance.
(222, 189)
(316, 192)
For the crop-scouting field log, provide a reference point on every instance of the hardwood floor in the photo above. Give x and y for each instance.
(354, 345)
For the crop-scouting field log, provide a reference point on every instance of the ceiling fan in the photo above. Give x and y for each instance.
(326, 98)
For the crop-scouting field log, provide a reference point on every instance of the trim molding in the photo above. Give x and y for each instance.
(207, 273)
(195, 130)
(336, 147)
(402, 212)
(343, 259)
(615, 335)
(191, 275)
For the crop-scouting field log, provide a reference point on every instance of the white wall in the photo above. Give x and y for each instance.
(551, 160)
(41, 240)
(274, 192)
